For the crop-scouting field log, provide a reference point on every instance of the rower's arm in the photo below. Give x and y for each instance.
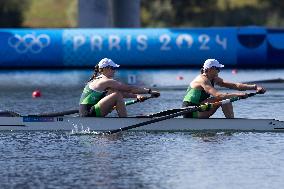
(118, 86)
(207, 86)
(129, 95)
(236, 86)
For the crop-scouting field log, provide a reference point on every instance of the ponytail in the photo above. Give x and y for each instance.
(95, 74)
(202, 70)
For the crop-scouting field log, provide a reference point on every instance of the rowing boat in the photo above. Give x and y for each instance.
(168, 120)
(68, 123)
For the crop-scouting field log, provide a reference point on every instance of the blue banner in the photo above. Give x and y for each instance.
(30, 48)
(149, 47)
(235, 47)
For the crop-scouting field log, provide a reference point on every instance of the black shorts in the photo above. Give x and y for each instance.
(190, 114)
(87, 110)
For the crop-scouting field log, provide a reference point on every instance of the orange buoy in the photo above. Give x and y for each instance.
(179, 78)
(234, 71)
(36, 94)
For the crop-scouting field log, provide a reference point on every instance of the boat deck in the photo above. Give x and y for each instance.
(107, 124)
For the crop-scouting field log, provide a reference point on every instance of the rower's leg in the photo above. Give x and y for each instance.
(114, 99)
(120, 106)
(209, 113)
(228, 110)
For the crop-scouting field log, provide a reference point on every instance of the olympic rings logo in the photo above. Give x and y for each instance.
(29, 43)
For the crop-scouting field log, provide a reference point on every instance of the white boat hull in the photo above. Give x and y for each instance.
(106, 124)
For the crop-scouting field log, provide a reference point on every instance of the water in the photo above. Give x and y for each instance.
(136, 159)
(142, 160)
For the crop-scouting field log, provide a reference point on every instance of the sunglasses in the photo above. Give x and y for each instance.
(110, 67)
(216, 68)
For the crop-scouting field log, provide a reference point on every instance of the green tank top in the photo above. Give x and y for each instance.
(195, 96)
(90, 96)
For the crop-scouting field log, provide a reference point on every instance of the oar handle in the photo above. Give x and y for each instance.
(208, 106)
(129, 102)
(252, 94)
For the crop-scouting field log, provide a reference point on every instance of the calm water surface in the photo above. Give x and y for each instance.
(134, 159)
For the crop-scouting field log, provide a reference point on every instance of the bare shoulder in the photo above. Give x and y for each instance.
(198, 81)
(102, 83)
(109, 82)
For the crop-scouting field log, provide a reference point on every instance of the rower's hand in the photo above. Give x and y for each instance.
(260, 90)
(141, 98)
(243, 95)
(155, 94)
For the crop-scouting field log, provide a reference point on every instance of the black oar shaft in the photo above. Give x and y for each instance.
(203, 107)
(163, 113)
(152, 121)
(54, 114)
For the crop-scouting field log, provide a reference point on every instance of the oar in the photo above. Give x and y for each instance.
(69, 112)
(162, 113)
(203, 107)
(170, 111)
(7, 113)
(54, 114)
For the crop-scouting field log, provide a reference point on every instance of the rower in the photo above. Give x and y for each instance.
(102, 92)
(201, 90)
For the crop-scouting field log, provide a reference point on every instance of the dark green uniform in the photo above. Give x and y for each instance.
(194, 97)
(88, 102)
